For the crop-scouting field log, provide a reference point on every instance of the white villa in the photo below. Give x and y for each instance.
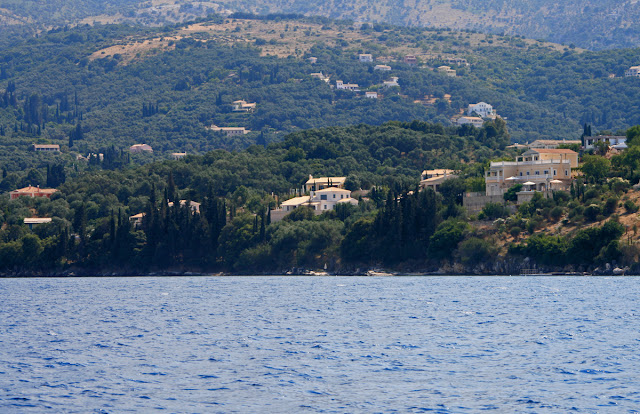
(243, 106)
(365, 57)
(382, 67)
(633, 71)
(324, 194)
(347, 86)
(618, 142)
(473, 120)
(536, 169)
(371, 95)
(483, 109)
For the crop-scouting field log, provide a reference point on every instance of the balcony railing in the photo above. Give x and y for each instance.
(517, 163)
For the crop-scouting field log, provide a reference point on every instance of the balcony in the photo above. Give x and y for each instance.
(528, 163)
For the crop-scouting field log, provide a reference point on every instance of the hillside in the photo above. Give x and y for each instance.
(586, 23)
(102, 79)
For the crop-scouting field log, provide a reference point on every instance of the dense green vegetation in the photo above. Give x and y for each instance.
(393, 226)
(91, 230)
(52, 92)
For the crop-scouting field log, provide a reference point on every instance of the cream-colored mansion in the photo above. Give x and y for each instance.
(537, 169)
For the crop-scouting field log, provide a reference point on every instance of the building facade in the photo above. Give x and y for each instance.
(32, 191)
(537, 166)
(483, 110)
(633, 71)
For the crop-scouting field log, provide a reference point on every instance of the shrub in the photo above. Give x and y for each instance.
(510, 194)
(592, 212)
(630, 206)
(474, 251)
(610, 206)
(494, 210)
(299, 214)
(556, 213)
(444, 241)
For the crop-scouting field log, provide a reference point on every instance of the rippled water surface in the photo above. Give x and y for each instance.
(320, 344)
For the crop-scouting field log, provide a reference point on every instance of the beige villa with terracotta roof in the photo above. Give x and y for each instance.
(546, 169)
(324, 194)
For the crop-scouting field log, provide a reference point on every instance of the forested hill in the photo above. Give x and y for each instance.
(586, 23)
(102, 88)
(91, 232)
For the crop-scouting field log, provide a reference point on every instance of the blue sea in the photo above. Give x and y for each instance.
(320, 345)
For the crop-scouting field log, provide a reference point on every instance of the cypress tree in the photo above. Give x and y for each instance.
(262, 226)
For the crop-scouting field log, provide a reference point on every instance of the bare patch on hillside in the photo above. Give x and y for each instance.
(286, 38)
(127, 52)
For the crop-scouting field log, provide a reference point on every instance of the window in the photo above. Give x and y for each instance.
(325, 206)
(334, 196)
(546, 172)
(527, 172)
(537, 172)
(341, 196)
(323, 197)
(555, 172)
(566, 172)
(520, 173)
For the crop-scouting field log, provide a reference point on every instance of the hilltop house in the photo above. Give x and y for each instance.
(229, 131)
(456, 61)
(45, 147)
(382, 67)
(243, 106)
(553, 143)
(365, 58)
(178, 155)
(320, 75)
(347, 86)
(614, 141)
(473, 120)
(324, 194)
(544, 169)
(32, 191)
(447, 71)
(371, 95)
(315, 184)
(410, 60)
(313, 60)
(140, 148)
(433, 178)
(633, 71)
(483, 109)
(393, 81)
(31, 222)
(136, 220)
